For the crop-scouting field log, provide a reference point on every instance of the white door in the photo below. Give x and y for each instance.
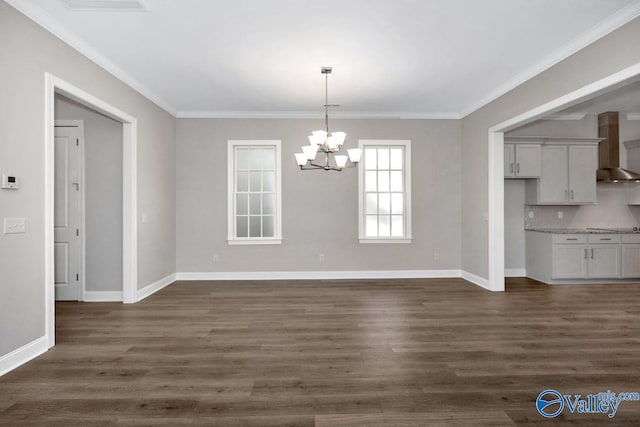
(67, 213)
(604, 261)
(554, 175)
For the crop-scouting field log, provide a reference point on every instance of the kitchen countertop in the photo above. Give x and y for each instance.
(584, 230)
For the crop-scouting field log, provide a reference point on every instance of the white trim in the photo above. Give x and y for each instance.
(22, 355)
(381, 240)
(406, 144)
(630, 145)
(39, 16)
(250, 241)
(496, 165)
(103, 296)
(317, 115)
(231, 223)
(55, 85)
(318, 275)
(155, 286)
(476, 280)
(515, 272)
(613, 22)
(633, 116)
(566, 116)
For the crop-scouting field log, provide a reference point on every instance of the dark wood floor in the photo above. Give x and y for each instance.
(332, 353)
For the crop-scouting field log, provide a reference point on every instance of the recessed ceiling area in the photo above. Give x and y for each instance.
(390, 58)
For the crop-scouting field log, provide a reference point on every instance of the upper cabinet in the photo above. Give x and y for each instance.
(521, 159)
(567, 172)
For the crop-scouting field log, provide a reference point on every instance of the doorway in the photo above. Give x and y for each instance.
(53, 86)
(496, 248)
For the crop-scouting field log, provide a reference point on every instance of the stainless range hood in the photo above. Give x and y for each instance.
(609, 151)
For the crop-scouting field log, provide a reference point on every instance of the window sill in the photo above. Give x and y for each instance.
(378, 240)
(254, 241)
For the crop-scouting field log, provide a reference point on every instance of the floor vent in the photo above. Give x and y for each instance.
(102, 5)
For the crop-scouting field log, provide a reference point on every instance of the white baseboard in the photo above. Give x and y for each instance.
(476, 280)
(317, 275)
(22, 355)
(515, 272)
(103, 296)
(155, 286)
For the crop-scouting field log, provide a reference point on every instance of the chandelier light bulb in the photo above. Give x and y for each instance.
(341, 161)
(301, 159)
(310, 151)
(338, 137)
(354, 154)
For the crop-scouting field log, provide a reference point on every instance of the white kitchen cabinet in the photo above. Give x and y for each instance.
(560, 257)
(583, 164)
(604, 261)
(630, 256)
(570, 261)
(567, 175)
(521, 160)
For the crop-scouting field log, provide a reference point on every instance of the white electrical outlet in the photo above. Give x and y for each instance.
(14, 225)
(560, 214)
(216, 258)
(321, 257)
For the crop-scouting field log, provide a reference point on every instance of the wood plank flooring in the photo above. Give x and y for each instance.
(333, 353)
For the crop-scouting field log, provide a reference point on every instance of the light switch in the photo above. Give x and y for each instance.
(14, 225)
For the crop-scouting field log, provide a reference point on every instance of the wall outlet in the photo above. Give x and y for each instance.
(321, 257)
(216, 258)
(14, 225)
(532, 214)
(560, 214)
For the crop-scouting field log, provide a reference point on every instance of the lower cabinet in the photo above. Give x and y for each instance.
(582, 256)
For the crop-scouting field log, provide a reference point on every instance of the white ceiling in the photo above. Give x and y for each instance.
(391, 58)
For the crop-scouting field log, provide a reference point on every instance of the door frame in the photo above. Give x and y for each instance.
(82, 226)
(55, 85)
(496, 159)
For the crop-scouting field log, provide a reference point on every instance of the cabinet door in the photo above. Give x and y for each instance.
(527, 158)
(604, 261)
(569, 261)
(630, 261)
(583, 164)
(509, 165)
(554, 174)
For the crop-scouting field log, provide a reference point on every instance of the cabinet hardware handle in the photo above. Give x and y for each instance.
(511, 166)
(566, 194)
(605, 239)
(585, 254)
(575, 238)
(591, 253)
(518, 167)
(571, 194)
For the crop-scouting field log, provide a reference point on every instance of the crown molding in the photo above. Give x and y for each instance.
(315, 115)
(40, 17)
(613, 22)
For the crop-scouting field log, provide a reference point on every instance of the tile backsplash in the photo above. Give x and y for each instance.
(611, 211)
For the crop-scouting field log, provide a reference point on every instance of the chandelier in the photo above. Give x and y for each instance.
(327, 143)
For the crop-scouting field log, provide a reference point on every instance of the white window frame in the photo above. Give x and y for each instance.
(381, 143)
(231, 207)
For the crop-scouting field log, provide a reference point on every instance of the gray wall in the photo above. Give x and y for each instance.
(320, 209)
(103, 194)
(616, 51)
(26, 53)
(514, 224)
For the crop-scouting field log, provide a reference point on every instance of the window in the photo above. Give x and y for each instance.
(254, 196)
(385, 192)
